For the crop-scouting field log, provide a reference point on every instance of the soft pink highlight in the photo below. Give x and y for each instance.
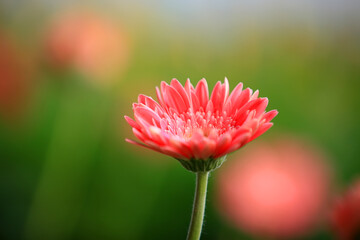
(275, 190)
(88, 42)
(188, 123)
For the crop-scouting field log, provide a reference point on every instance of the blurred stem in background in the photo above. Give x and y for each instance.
(77, 132)
(197, 216)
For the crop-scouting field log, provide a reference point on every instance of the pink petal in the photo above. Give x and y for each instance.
(242, 99)
(223, 143)
(262, 129)
(148, 115)
(236, 92)
(181, 146)
(189, 89)
(157, 136)
(238, 143)
(195, 102)
(195, 143)
(138, 144)
(260, 109)
(270, 115)
(255, 95)
(240, 119)
(247, 107)
(241, 138)
(144, 126)
(142, 145)
(233, 97)
(139, 135)
(131, 122)
(210, 107)
(251, 122)
(169, 150)
(141, 99)
(226, 89)
(162, 92)
(180, 89)
(242, 130)
(174, 100)
(149, 102)
(159, 97)
(202, 93)
(217, 96)
(189, 86)
(208, 149)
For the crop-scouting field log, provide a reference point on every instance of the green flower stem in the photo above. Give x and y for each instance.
(197, 216)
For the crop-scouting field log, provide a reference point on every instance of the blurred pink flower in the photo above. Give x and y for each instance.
(87, 42)
(274, 190)
(189, 126)
(13, 79)
(345, 215)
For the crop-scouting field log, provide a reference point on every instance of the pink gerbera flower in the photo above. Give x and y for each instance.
(195, 128)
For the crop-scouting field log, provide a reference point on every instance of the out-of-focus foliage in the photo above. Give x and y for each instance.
(66, 171)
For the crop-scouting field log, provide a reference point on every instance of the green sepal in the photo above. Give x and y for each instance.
(199, 165)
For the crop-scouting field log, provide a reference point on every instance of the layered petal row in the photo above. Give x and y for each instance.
(189, 123)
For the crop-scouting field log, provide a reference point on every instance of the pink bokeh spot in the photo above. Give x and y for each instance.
(87, 42)
(189, 123)
(14, 79)
(345, 214)
(276, 190)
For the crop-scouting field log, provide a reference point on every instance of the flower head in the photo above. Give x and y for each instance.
(275, 190)
(196, 128)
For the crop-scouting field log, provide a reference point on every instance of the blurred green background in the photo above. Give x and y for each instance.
(66, 171)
